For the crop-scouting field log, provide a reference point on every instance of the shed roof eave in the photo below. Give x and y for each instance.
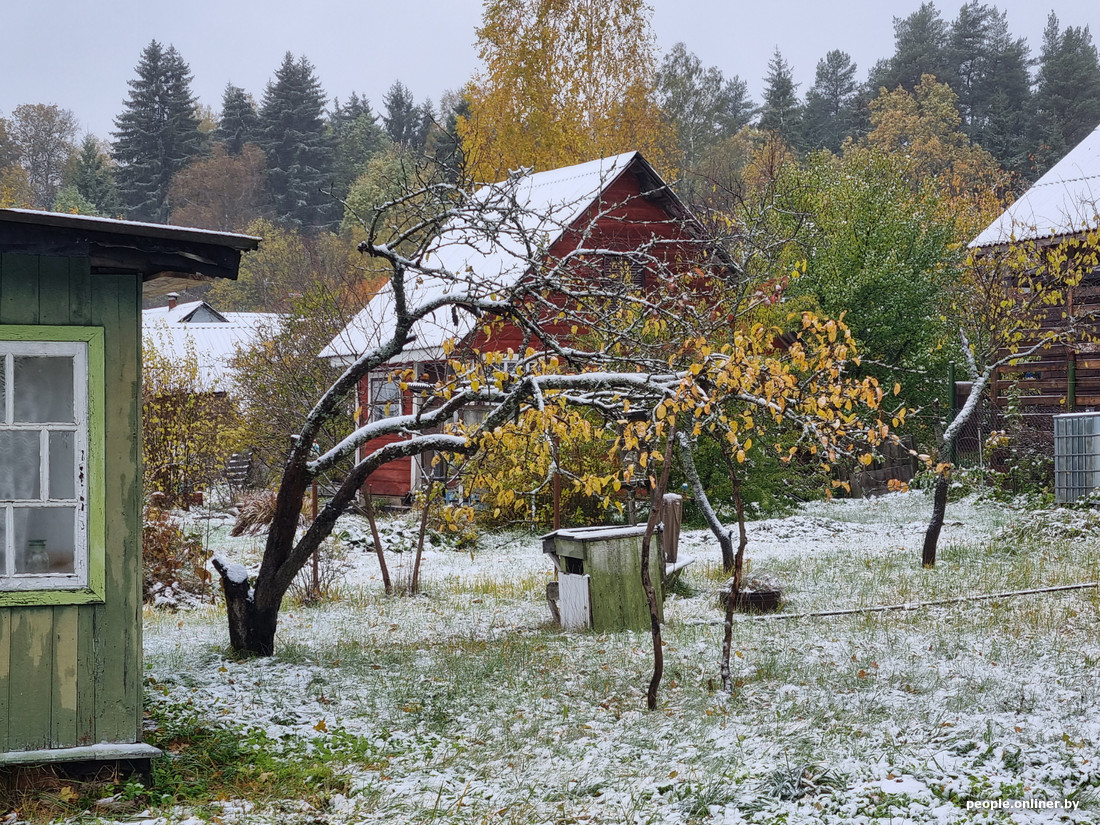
(149, 250)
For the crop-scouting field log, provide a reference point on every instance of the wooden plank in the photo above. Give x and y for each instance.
(5, 674)
(63, 716)
(80, 314)
(80, 292)
(86, 676)
(30, 630)
(31, 686)
(574, 601)
(19, 302)
(118, 621)
(53, 290)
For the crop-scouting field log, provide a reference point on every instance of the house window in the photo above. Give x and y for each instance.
(46, 531)
(385, 398)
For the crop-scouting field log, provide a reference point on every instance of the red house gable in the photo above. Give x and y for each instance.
(610, 206)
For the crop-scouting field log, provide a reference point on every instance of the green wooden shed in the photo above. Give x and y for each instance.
(70, 473)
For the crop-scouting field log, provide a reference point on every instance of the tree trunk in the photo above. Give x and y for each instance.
(725, 541)
(251, 629)
(939, 509)
(647, 580)
(738, 573)
(414, 585)
(727, 638)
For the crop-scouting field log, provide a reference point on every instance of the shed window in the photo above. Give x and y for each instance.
(44, 451)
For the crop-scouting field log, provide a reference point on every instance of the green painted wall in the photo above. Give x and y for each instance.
(70, 675)
(615, 587)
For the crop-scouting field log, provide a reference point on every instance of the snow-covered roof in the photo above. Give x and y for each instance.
(1064, 201)
(490, 256)
(192, 311)
(214, 343)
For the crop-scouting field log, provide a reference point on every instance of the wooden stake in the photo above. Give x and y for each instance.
(377, 542)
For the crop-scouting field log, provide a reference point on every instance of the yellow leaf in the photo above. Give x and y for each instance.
(321, 726)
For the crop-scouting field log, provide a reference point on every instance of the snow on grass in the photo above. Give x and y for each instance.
(465, 705)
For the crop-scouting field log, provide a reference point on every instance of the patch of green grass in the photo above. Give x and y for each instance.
(205, 762)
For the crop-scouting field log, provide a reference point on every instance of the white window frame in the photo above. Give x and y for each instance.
(78, 350)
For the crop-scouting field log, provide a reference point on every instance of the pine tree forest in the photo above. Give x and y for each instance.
(962, 105)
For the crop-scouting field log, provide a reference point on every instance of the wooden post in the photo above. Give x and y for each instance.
(952, 409)
(556, 487)
(1071, 381)
(671, 515)
(369, 505)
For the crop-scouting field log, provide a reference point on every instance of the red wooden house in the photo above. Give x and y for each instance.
(614, 205)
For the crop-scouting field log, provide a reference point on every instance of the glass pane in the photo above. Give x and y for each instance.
(385, 399)
(45, 540)
(62, 465)
(43, 388)
(20, 467)
(3, 541)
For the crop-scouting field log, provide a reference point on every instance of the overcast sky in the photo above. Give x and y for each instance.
(79, 54)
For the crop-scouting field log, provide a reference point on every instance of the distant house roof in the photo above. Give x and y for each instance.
(195, 327)
(1064, 201)
(189, 313)
(495, 254)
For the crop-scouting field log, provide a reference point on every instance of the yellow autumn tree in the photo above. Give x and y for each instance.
(925, 125)
(564, 81)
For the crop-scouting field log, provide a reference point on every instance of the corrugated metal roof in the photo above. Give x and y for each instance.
(1064, 201)
(213, 344)
(485, 257)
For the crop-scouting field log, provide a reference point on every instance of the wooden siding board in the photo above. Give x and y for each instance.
(30, 694)
(19, 301)
(80, 292)
(5, 673)
(81, 314)
(116, 301)
(53, 290)
(63, 715)
(30, 636)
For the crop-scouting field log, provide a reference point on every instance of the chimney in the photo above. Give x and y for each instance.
(172, 297)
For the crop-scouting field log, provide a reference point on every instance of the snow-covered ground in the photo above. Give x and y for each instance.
(465, 705)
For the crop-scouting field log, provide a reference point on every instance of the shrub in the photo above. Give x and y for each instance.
(173, 559)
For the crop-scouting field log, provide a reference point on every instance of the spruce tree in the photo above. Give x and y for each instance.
(444, 146)
(299, 152)
(92, 177)
(781, 112)
(405, 122)
(239, 122)
(157, 133)
(356, 138)
(830, 104)
(1067, 95)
